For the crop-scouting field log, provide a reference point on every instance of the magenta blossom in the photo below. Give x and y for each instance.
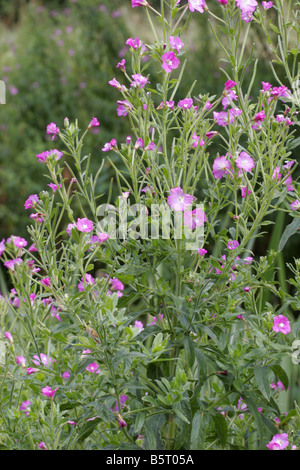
(8, 336)
(21, 360)
(109, 145)
(221, 167)
(123, 399)
(42, 359)
(19, 242)
(46, 282)
(135, 43)
(2, 246)
(44, 156)
(198, 5)
(93, 367)
(267, 5)
(12, 263)
(25, 407)
(53, 130)
(123, 107)
(195, 218)
(185, 104)
(278, 442)
(89, 280)
(139, 80)
(139, 3)
(244, 162)
(84, 225)
(202, 251)
(94, 123)
(170, 61)
(176, 43)
(179, 201)
(281, 325)
(31, 201)
(48, 392)
(295, 205)
(232, 244)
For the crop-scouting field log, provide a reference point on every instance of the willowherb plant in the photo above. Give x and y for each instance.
(142, 323)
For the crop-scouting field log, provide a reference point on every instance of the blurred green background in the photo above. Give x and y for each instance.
(56, 60)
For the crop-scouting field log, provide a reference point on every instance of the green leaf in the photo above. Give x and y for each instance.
(281, 375)
(261, 376)
(180, 415)
(198, 430)
(290, 230)
(150, 438)
(221, 428)
(139, 422)
(189, 349)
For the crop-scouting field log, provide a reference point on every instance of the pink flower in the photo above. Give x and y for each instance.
(25, 407)
(227, 100)
(139, 3)
(139, 143)
(195, 218)
(244, 191)
(232, 244)
(197, 5)
(267, 5)
(295, 205)
(123, 107)
(121, 422)
(245, 162)
(266, 86)
(84, 225)
(224, 118)
(139, 325)
(202, 251)
(31, 201)
(179, 201)
(53, 130)
(176, 43)
(221, 167)
(170, 61)
(103, 237)
(21, 360)
(185, 104)
(223, 2)
(281, 325)
(19, 242)
(229, 84)
(197, 142)
(12, 263)
(44, 156)
(46, 282)
(48, 392)
(139, 80)
(65, 375)
(109, 145)
(93, 367)
(123, 399)
(54, 187)
(94, 123)
(8, 336)
(278, 442)
(2, 246)
(31, 370)
(247, 6)
(170, 104)
(42, 359)
(122, 65)
(135, 43)
(276, 173)
(42, 445)
(89, 280)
